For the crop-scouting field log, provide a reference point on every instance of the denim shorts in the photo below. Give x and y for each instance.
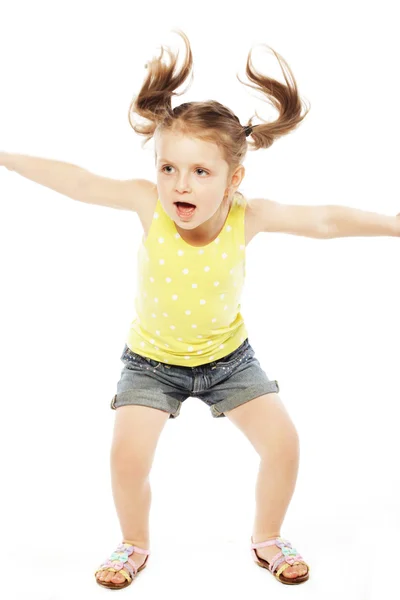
(222, 384)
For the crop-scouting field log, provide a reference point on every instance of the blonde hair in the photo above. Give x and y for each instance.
(210, 120)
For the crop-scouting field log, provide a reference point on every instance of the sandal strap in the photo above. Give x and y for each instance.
(119, 560)
(135, 548)
(286, 557)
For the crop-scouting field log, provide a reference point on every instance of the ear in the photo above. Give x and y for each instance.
(237, 178)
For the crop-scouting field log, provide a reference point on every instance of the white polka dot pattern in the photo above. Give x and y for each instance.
(187, 296)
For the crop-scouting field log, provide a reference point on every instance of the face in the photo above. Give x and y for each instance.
(193, 171)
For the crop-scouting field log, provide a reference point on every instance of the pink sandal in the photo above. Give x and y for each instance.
(119, 562)
(286, 557)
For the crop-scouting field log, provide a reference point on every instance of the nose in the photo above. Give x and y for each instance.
(182, 184)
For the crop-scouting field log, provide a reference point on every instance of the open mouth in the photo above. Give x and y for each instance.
(185, 209)
(185, 205)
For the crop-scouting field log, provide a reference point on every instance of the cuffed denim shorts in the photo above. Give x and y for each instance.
(222, 384)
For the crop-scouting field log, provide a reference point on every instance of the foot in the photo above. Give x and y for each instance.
(110, 576)
(269, 552)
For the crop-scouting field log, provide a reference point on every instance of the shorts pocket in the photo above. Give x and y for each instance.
(150, 361)
(130, 357)
(231, 359)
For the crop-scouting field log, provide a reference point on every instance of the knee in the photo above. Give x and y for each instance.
(293, 444)
(284, 446)
(294, 439)
(130, 462)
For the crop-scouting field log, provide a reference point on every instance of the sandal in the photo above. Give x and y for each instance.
(286, 557)
(119, 561)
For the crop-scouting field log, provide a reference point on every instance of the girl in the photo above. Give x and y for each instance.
(189, 337)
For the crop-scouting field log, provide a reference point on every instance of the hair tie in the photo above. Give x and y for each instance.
(248, 129)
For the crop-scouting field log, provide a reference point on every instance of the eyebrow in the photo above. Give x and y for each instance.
(193, 165)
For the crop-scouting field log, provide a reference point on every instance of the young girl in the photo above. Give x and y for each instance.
(189, 337)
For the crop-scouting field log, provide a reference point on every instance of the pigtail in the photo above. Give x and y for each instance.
(285, 98)
(153, 102)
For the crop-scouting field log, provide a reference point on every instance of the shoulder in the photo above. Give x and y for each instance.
(146, 211)
(251, 209)
(262, 212)
(250, 205)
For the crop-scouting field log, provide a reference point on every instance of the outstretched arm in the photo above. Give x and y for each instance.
(61, 177)
(344, 221)
(79, 184)
(321, 221)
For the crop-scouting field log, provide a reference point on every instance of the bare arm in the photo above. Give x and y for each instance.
(80, 184)
(62, 177)
(345, 221)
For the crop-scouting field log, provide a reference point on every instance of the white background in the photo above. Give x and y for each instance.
(322, 315)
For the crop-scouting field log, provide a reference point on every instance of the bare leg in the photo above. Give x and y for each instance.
(268, 426)
(136, 433)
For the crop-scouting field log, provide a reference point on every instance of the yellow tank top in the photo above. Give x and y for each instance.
(188, 297)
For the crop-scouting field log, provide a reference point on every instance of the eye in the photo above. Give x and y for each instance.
(169, 167)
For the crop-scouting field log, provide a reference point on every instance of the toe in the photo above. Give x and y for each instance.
(296, 571)
(290, 572)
